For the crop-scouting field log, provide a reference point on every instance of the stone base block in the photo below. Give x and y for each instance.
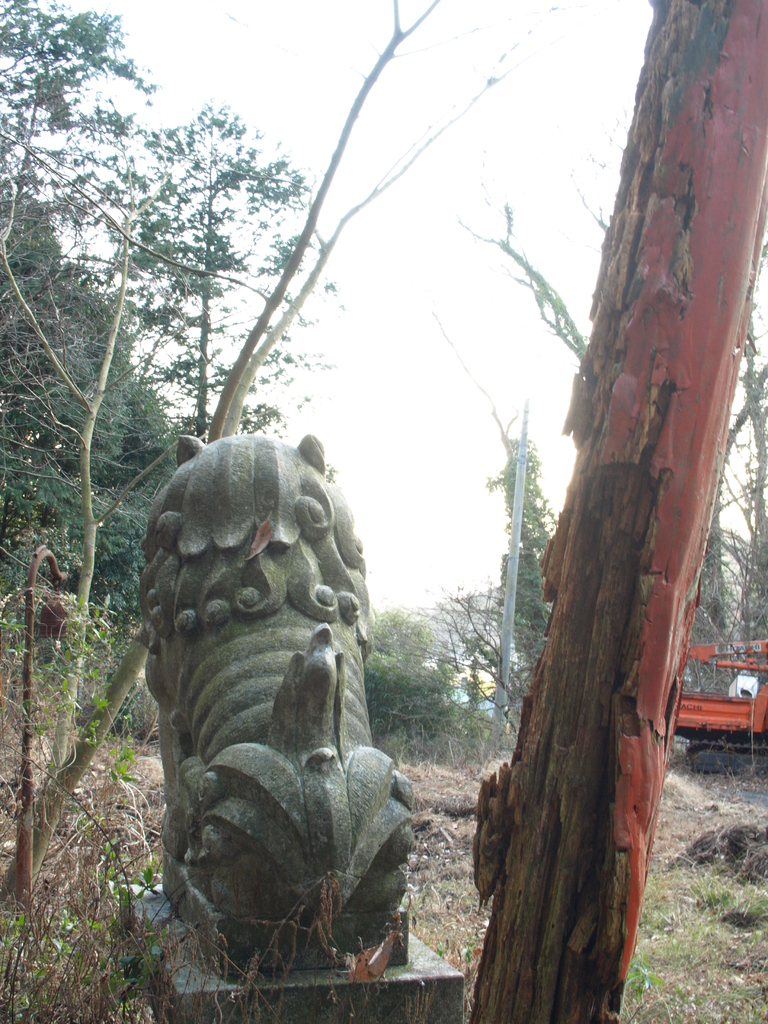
(426, 990)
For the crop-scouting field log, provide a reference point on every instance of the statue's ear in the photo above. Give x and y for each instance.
(187, 448)
(313, 452)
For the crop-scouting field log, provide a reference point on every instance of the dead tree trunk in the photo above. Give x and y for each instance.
(565, 832)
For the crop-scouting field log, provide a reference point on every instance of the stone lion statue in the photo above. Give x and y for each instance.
(257, 620)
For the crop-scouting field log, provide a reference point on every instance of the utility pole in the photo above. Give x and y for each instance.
(510, 594)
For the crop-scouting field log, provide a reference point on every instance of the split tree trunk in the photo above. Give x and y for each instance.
(565, 832)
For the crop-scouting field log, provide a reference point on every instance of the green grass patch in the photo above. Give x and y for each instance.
(702, 951)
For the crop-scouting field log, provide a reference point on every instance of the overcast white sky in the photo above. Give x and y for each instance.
(411, 438)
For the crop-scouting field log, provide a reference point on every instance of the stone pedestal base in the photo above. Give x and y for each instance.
(426, 990)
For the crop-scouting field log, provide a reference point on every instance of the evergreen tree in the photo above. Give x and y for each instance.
(59, 145)
(410, 689)
(54, 62)
(222, 212)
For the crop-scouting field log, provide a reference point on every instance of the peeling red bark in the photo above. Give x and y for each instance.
(684, 340)
(564, 835)
(638, 791)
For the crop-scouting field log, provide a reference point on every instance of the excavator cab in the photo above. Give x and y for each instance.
(744, 686)
(727, 732)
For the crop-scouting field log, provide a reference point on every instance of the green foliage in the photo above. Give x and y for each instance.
(51, 60)
(640, 977)
(40, 487)
(552, 309)
(58, 140)
(222, 211)
(122, 759)
(80, 960)
(469, 622)
(91, 643)
(410, 691)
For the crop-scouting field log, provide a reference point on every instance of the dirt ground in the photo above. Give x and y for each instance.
(703, 948)
(695, 962)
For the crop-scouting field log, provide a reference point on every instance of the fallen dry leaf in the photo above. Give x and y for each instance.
(260, 541)
(370, 964)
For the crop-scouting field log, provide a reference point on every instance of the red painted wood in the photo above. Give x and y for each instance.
(692, 337)
(564, 832)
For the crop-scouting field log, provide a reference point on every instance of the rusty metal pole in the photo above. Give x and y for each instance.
(27, 792)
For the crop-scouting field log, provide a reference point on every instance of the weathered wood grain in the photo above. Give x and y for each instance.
(565, 832)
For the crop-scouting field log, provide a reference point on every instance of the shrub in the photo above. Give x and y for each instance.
(415, 696)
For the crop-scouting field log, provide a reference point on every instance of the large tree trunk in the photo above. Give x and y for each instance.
(565, 832)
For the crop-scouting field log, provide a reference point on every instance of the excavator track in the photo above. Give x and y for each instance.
(717, 758)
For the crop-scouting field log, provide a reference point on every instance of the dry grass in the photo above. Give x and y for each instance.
(79, 955)
(703, 949)
(704, 932)
(445, 912)
(703, 937)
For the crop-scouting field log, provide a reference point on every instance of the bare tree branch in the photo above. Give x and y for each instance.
(598, 218)
(504, 434)
(115, 225)
(297, 255)
(32, 320)
(136, 480)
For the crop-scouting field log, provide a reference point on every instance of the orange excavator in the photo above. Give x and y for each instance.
(727, 732)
